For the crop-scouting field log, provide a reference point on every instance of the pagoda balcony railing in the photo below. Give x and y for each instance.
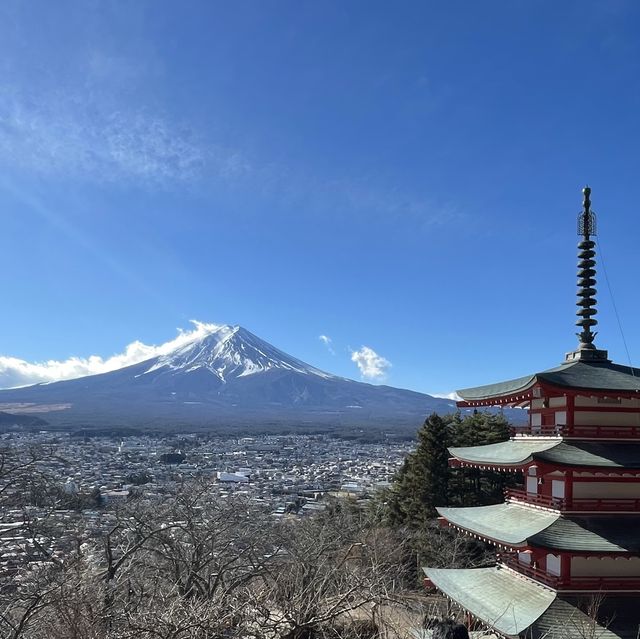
(577, 431)
(538, 431)
(570, 583)
(580, 504)
(605, 432)
(533, 498)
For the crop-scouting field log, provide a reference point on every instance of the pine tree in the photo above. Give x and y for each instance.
(423, 481)
(474, 487)
(479, 429)
(433, 456)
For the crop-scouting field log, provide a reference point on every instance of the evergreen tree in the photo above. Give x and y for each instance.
(433, 457)
(472, 487)
(479, 429)
(423, 481)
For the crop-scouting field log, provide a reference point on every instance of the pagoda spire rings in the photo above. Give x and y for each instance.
(586, 302)
(586, 274)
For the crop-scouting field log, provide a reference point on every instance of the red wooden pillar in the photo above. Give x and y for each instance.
(568, 489)
(565, 567)
(571, 410)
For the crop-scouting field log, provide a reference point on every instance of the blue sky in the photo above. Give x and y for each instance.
(403, 176)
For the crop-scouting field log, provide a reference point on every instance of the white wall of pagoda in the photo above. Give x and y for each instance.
(554, 565)
(548, 411)
(605, 418)
(604, 490)
(582, 401)
(605, 567)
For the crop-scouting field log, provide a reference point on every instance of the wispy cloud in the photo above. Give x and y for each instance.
(18, 372)
(81, 138)
(371, 365)
(328, 342)
(104, 120)
(91, 129)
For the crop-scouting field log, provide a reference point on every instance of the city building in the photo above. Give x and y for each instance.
(567, 541)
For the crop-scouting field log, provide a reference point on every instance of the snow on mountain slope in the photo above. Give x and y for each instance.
(230, 352)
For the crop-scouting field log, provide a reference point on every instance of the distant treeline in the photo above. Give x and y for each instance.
(358, 434)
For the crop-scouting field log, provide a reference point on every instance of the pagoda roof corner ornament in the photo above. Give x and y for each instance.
(586, 302)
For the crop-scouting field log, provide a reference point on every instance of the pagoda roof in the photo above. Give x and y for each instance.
(506, 523)
(611, 533)
(554, 451)
(503, 600)
(597, 454)
(513, 604)
(508, 453)
(518, 525)
(597, 376)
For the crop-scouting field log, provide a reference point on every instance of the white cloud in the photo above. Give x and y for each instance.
(18, 372)
(371, 365)
(328, 342)
(454, 396)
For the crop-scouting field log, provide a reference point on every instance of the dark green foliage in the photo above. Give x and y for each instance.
(139, 479)
(172, 458)
(471, 487)
(479, 429)
(425, 480)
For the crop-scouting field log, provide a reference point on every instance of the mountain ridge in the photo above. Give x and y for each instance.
(228, 376)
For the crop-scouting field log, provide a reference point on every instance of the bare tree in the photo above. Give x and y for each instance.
(327, 570)
(196, 566)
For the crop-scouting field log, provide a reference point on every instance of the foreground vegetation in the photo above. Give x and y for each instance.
(200, 567)
(426, 480)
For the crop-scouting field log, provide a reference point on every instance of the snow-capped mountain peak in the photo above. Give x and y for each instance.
(230, 352)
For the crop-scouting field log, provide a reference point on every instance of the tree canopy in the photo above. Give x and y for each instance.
(426, 481)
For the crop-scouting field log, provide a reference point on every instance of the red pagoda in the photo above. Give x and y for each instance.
(568, 540)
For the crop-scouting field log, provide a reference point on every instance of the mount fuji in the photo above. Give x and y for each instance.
(229, 377)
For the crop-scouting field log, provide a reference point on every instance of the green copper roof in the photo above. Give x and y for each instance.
(510, 387)
(505, 601)
(508, 523)
(518, 525)
(509, 453)
(592, 454)
(591, 534)
(513, 605)
(594, 375)
(605, 376)
(519, 452)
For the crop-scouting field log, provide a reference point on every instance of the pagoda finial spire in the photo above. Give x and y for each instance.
(586, 274)
(586, 281)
